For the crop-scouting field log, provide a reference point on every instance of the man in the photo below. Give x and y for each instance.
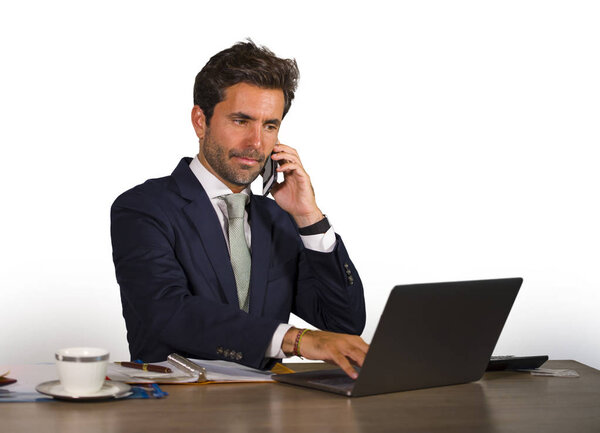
(208, 270)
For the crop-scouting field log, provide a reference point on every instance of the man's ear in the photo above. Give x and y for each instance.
(199, 121)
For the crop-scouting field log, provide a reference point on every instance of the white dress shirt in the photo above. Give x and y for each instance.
(214, 188)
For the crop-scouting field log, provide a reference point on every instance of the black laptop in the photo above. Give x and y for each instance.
(428, 335)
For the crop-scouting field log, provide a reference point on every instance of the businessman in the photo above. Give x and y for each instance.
(209, 270)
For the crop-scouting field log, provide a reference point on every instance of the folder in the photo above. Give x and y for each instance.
(195, 371)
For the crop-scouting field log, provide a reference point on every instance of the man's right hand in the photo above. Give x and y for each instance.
(341, 349)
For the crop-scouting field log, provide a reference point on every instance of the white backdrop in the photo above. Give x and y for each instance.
(472, 125)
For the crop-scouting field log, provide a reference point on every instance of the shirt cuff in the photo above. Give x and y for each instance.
(274, 349)
(322, 242)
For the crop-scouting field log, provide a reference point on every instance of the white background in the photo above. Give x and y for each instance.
(445, 140)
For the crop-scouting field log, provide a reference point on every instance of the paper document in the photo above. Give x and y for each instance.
(131, 375)
(222, 371)
(216, 371)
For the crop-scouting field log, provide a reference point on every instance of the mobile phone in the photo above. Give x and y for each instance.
(510, 362)
(269, 175)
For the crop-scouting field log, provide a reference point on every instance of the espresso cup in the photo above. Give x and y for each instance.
(81, 370)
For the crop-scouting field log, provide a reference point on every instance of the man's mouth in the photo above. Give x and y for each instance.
(247, 161)
(253, 158)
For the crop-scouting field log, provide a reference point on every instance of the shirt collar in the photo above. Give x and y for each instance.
(213, 187)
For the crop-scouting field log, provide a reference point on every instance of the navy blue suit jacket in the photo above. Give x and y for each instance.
(177, 285)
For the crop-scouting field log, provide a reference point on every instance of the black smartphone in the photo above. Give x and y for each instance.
(510, 362)
(269, 175)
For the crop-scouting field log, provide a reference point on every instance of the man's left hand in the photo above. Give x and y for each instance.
(295, 194)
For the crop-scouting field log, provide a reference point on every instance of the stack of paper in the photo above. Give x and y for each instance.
(216, 371)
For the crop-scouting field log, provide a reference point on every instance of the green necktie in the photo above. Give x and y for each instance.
(238, 248)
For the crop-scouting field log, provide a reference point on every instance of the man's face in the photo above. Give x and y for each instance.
(243, 131)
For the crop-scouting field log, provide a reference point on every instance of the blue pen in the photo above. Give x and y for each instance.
(158, 393)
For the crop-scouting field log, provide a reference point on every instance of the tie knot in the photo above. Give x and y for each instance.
(236, 204)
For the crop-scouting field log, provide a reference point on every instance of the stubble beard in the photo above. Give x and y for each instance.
(240, 175)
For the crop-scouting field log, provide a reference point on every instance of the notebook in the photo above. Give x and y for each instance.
(428, 335)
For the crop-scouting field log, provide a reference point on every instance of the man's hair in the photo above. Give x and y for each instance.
(244, 62)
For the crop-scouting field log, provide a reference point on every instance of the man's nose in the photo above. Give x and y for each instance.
(255, 137)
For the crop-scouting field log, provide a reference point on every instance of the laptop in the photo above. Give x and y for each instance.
(428, 335)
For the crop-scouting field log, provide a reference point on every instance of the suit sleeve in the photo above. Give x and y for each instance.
(330, 293)
(161, 312)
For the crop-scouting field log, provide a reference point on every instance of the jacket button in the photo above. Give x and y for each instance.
(219, 350)
(238, 356)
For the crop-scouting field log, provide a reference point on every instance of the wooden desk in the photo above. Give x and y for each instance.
(500, 402)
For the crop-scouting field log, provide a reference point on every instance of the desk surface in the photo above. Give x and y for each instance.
(500, 402)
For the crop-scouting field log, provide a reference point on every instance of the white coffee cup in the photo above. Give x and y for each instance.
(81, 370)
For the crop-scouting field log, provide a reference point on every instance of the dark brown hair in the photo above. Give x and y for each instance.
(245, 62)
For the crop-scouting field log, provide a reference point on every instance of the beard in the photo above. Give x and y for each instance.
(221, 163)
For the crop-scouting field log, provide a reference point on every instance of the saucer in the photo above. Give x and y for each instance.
(109, 390)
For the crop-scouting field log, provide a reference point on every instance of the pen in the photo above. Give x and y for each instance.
(145, 367)
(158, 393)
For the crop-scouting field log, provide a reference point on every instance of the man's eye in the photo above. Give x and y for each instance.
(271, 128)
(240, 121)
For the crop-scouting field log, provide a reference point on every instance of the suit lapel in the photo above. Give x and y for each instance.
(203, 218)
(261, 247)
(201, 214)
